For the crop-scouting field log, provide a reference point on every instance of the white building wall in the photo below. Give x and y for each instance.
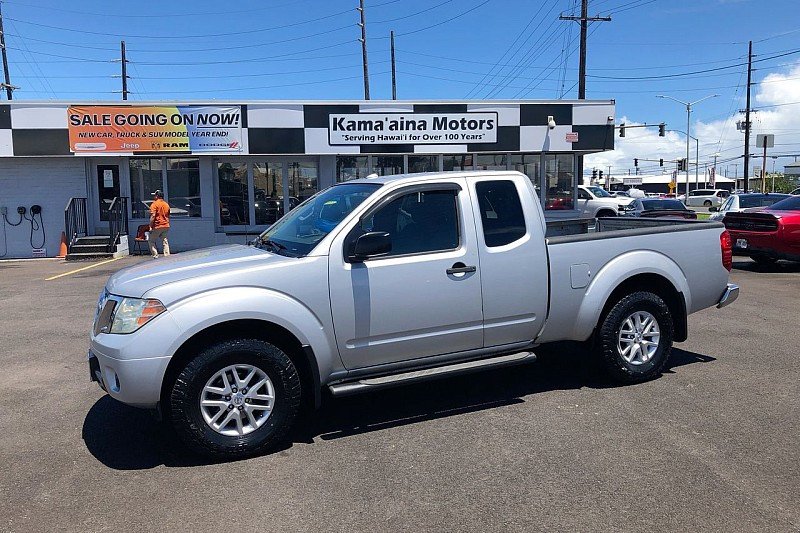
(49, 182)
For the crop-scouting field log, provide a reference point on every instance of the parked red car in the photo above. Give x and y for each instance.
(767, 234)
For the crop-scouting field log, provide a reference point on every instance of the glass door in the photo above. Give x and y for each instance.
(107, 188)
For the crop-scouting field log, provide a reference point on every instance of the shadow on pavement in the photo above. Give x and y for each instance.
(781, 267)
(126, 438)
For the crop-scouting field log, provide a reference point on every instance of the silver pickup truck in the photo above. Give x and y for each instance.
(380, 282)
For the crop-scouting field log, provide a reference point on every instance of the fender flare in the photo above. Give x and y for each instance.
(616, 272)
(204, 310)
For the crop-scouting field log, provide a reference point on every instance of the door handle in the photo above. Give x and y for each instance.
(461, 268)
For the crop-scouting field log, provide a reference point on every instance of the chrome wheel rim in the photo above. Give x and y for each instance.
(237, 400)
(638, 338)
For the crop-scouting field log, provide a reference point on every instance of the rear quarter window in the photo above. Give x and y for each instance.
(501, 212)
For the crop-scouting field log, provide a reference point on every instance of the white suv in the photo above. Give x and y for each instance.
(707, 197)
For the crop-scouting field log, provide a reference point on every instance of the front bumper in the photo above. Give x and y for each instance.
(135, 382)
(729, 296)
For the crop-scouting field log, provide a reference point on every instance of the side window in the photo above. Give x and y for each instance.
(727, 205)
(501, 212)
(583, 195)
(419, 222)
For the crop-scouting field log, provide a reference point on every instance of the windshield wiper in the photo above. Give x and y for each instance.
(274, 244)
(277, 247)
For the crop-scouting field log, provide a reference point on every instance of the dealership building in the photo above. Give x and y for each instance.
(230, 169)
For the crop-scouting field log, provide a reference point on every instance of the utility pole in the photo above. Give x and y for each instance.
(7, 85)
(363, 40)
(584, 21)
(124, 70)
(747, 118)
(394, 73)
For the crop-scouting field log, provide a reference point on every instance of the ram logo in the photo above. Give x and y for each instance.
(176, 145)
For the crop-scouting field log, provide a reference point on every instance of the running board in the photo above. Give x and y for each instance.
(368, 384)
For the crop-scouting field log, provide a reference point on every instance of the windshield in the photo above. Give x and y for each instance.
(297, 233)
(760, 200)
(652, 205)
(789, 204)
(600, 193)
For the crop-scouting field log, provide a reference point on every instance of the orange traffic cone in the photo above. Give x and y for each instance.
(62, 251)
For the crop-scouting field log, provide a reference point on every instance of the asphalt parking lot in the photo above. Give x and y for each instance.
(712, 445)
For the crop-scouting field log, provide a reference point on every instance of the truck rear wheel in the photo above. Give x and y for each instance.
(635, 337)
(237, 398)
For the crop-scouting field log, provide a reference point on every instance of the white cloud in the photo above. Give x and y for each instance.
(718, 136)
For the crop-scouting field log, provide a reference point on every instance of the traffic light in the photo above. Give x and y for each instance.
(635, 162)
(661, 162)
(594, 174)
(622, 130)
(601, 175)
(682, 164)
(662, 131)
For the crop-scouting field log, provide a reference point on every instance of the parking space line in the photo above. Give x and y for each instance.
(82, 269)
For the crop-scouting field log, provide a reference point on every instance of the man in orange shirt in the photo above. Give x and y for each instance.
(159, 224)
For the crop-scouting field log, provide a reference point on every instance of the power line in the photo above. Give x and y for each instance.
(196, 36)
(511, 46)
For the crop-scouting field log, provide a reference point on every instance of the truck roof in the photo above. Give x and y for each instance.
(425, 176)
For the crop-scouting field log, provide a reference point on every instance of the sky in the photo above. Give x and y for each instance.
(445, 49)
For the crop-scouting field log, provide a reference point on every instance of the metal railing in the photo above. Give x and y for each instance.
(117, 221)
(75, 221)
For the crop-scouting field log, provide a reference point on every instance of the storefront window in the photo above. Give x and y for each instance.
(268, 192)
(386, 165)
(491, 162)
(350, 167)
(457, 162)
(560, 182)
(528, 164)
(183, 187)
(146, 177)
(423, 163)
(303, 181)
(234, 199)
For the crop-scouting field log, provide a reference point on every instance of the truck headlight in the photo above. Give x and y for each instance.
(132, 313)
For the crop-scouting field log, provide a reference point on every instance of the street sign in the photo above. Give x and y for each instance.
(756, 171)
(632, 181)
(765, 140)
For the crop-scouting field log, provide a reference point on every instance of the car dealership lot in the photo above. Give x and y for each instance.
(712, 444)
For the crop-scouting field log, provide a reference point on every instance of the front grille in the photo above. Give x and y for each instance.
(751, 222)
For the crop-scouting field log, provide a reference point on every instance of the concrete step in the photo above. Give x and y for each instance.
(88, 256)
(92, 239)
(89, 248)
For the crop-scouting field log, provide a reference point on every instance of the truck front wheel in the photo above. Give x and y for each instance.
(237, 398)
(635, 337)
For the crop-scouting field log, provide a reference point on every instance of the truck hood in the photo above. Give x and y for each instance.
(136, 280)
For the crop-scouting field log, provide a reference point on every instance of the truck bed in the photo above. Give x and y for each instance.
(588, 229)
(686, 252)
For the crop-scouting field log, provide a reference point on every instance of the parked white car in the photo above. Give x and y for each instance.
(597, 202)
(795, 192)
(739, 202)
(707, 197)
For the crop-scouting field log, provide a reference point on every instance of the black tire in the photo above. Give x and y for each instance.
(184, 401)
(764, 260)
(707, 203)
(606, 213)
(608, 335)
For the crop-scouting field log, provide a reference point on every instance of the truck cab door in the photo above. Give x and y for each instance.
(513, 259)
(423, 298)
(583, 203)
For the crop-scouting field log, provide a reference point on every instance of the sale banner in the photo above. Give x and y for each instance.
(155, 129)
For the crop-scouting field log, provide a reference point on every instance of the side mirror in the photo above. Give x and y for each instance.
(713, 209)
(372, 244)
